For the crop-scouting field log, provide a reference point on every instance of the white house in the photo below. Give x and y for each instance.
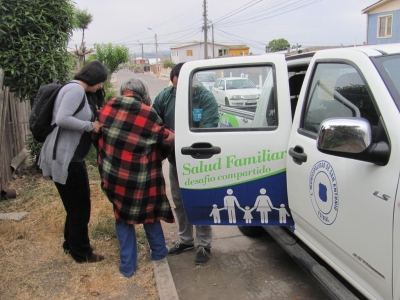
(195, 51)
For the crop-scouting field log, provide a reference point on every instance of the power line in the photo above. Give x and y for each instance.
(158, 25)
(234, 12)
(243, 22)
(260, 9)
(242, 38)
(163, 35)
(226, 34)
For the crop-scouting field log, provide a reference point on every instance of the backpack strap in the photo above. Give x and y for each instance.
(58, 132)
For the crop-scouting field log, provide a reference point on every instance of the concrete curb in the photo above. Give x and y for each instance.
(165, 283)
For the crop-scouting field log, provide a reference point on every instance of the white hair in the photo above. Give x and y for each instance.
(139, 88)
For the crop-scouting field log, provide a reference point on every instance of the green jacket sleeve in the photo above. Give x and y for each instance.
(210, 115)
(157, 105)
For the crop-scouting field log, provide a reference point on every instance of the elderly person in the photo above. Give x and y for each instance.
(131, 151)
(65, 163)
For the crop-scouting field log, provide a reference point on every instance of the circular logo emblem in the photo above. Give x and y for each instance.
(324, 192)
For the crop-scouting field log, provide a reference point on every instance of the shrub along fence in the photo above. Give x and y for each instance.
(14, 131)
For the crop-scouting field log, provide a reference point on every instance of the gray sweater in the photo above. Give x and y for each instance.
(71, 129)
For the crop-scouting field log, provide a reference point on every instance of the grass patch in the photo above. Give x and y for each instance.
(33, 264)
(91, 157)
(104, 228)
(140, 235)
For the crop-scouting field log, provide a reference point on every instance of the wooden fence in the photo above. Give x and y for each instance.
(14, 131)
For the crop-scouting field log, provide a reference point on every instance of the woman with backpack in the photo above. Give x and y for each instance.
(63, 156)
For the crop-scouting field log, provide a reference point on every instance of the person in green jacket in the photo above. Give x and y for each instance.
(205, 116)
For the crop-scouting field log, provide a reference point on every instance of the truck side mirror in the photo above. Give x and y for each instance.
(351, 138)
(349, 135)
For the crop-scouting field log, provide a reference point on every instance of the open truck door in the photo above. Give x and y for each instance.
(231, 161)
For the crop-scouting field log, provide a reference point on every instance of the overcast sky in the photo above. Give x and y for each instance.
(254, 23)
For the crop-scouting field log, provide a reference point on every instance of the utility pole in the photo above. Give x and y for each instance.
(156, 55)
(205, 30)
(142, 61)
(212, 27)
(155, 37)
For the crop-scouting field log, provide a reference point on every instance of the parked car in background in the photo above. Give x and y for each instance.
(207, 79)
(236, 91)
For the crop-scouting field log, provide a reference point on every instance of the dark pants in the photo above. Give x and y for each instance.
(75, 195)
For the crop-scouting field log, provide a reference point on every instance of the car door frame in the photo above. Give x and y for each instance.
(242, 142)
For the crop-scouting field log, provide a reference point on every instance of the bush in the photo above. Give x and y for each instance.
(168, 63)
(33, 44)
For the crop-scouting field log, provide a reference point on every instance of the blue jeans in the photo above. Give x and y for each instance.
(128, 247)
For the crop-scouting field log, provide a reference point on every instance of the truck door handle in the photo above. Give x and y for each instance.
(201, 150)
(298, 155)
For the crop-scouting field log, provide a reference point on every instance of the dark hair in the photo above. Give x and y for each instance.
(96, 99)
(92, 73)
(175, 71)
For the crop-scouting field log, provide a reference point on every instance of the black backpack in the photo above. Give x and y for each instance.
(42, 110)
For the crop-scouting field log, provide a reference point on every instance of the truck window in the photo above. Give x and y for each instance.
(337, 90)
(239, 97)
(389, 68)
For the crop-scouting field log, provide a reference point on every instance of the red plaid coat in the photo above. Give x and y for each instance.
(130, 161)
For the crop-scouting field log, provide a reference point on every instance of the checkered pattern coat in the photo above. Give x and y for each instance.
(130, 161)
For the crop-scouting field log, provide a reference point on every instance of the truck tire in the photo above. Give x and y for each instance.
(226, 102)
(251, 231)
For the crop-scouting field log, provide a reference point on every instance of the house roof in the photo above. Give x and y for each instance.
(198, 43)
(375, 5)
(194, 43)
(238, 47)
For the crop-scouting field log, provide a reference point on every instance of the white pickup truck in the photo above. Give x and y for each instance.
(315, 163)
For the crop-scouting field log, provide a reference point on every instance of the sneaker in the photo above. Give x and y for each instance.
(179, 248)
(203, 255)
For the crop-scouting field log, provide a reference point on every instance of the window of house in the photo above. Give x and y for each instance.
(189, 52)
(222, 52)
(385, 26)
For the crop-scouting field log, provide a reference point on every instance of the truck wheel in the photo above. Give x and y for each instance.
(226, 102)
(252, 231)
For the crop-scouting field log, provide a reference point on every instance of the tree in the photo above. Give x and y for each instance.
(277, 45)
(168, 63)
(297, 46)
(82, 19)
(111, 56)
(33, 44)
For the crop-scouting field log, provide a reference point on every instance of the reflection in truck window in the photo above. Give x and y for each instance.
(244, 95)
(337, 90)
(389, 69)
(203, 105)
